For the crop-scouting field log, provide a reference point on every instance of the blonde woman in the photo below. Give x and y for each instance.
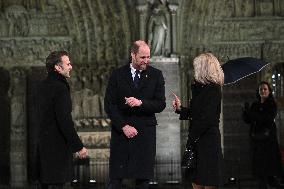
(204, 114)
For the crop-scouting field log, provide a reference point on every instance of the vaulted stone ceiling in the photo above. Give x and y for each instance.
(95, 31)
(207, 25)
(99, 32)
(102, 30)
(230, 29)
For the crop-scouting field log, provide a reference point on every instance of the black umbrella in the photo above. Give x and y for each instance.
(237, 69)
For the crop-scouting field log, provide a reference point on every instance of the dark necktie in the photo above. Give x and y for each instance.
(136, 79)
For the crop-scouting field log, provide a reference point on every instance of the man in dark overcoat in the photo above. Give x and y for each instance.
(57, 137)
(135, 92)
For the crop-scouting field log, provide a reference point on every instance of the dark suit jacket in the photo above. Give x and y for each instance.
(57, 137)
(134, 158)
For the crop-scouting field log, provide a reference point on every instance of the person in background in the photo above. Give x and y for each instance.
(266, 159)
(204, 117)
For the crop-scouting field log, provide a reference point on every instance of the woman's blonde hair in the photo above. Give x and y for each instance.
(207, 69)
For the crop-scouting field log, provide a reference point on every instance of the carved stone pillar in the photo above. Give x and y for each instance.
(18, 135)
(173, 8)
(277, 10)
(256, 8)
(168, 129)
(142, 20)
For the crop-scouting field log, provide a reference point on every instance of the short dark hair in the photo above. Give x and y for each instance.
(54, 58)
(136, 45)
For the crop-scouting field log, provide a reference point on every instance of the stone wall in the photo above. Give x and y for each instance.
(232, 29)
(98, 35)
(29, 31)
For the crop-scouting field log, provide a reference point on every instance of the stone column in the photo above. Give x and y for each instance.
(173, 8)
(168, 129)
(142, 20)
(257, 8)
(18, 135)
(5, 126)
(277, 10)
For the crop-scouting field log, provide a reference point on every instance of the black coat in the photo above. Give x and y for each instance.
(204, 115)
(266, 160)
(135, 157)
(57, 137)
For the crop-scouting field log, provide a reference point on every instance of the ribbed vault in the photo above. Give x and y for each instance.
(100, 29)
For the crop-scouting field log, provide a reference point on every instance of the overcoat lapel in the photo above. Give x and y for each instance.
(128, 77)
(144, 79)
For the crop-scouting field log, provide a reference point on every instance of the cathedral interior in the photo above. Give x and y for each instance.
(98, 35)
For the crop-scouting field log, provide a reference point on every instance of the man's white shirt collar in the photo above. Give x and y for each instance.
(133, 71)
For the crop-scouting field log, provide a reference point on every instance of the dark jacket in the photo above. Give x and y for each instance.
(57, 137)
(204, 111)
(135, 157)
(203, 114)
(266, 160)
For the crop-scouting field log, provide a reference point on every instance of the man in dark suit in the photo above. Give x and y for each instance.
(57, 138)
(135, 92)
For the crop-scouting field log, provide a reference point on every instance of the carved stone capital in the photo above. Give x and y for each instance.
(18, 72)
(173, 8)
(141, 8)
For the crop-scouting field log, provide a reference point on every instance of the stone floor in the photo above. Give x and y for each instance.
(243, 184)
(250, 186)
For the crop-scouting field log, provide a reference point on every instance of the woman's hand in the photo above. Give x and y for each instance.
(176, 103)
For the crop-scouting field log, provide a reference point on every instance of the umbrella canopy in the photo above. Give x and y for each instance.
(237, 69)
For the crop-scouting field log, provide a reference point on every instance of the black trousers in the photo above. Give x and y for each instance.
(139, 184)
(265, 182)
(51, 186)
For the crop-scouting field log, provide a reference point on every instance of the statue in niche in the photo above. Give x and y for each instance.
(266, 8)
(158, 31)
(95, 102)
(87, 94)
(243, 8)
(95, 81)
(3, 24)
(76, 96)
(89, 141)
(103, 83)
(104, 74)
(17, 105)
(37, 4)
(17, 18)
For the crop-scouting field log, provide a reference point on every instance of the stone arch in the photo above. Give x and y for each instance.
(96, 31)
